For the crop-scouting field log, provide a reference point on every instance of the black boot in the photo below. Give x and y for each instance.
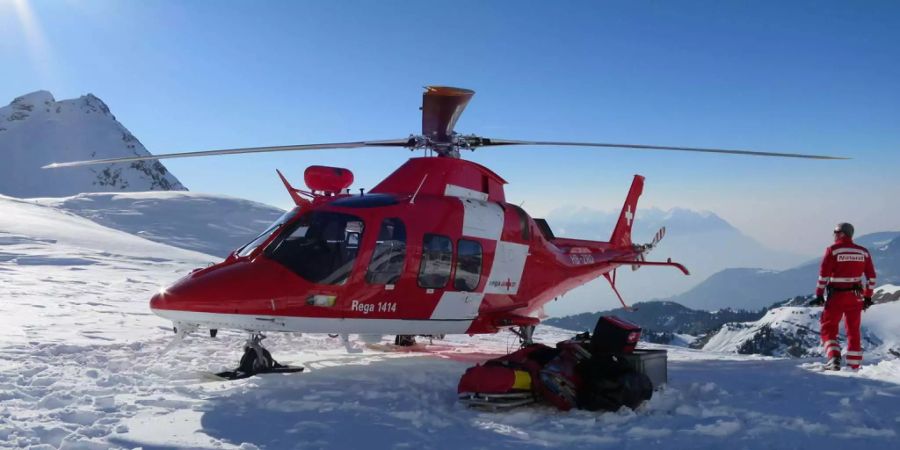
(833, 363)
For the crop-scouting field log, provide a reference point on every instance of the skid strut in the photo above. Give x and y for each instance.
(525, 334)
(257, 360)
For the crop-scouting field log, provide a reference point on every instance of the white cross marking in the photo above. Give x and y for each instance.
(628, 215)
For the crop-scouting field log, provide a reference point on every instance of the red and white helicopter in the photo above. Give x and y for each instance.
(433, 249)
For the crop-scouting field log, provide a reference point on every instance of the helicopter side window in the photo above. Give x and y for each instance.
(437, 259)
(468, 265)
(321, 246)
(524, 224)
(389, 255)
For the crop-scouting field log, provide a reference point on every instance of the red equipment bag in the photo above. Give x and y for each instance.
(506, 381)
(614, 335)
(560, 380)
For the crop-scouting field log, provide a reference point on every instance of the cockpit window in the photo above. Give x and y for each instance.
(257, 241)
(390, 252)
(321, 246)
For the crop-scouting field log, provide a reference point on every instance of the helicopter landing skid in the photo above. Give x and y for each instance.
(257, 360)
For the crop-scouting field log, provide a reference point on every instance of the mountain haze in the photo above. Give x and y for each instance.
(701, 240)
(748, 288)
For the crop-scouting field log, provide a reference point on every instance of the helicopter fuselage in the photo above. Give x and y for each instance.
(433, 249)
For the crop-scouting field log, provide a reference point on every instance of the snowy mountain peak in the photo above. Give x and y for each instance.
(36, 129)
(32, 99)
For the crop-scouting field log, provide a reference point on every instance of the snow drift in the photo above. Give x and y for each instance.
(212, 224)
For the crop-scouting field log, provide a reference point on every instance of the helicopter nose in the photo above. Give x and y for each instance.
(160, 300)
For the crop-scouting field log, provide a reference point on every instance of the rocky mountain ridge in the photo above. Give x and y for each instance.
(36, 129)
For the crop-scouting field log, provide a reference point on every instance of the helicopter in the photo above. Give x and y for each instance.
(433, 249)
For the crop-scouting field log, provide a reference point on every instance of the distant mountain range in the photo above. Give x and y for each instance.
(701, 240)
(36, 130)
(757, 288)
(662, 322)
(787, 328)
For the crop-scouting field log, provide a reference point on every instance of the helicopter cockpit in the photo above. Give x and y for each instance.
(321, 246)
(247, 249)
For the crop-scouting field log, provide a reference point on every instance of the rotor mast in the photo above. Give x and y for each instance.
(441, 108)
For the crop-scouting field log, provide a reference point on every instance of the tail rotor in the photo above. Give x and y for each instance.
(647, 248)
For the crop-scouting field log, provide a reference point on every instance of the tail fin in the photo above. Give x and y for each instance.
(621, 236)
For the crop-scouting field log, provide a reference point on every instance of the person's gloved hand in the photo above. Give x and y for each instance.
(818, 301)
(867, 302)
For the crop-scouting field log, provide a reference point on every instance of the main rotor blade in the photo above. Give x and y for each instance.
(496, 142)
(441, 108)
(235, 151)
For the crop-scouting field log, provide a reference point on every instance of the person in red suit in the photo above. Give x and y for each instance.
(841, 277)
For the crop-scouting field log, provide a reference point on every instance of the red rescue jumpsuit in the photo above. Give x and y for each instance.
(842, 270)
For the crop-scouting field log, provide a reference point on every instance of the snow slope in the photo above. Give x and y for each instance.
(36, 130)
(63, 265)
(794, 332)
(82, 366)
(213, 224)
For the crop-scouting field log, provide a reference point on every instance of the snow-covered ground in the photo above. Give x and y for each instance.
(82, 365)
(889, 289)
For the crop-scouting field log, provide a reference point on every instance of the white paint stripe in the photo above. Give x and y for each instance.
(458, 305)
(315, 325)
(452, 190)
(506, 271)
(482, 219)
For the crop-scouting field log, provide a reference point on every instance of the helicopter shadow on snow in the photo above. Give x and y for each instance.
(410, 402)
(387, 403)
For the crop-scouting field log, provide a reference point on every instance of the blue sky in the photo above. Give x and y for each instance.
(818, 77)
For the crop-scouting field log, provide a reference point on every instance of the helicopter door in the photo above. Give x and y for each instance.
(463, 303)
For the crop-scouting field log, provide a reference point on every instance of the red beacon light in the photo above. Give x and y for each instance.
(330, 180)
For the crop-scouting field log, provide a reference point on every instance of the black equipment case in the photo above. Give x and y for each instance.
(614, 335)
(651, 363)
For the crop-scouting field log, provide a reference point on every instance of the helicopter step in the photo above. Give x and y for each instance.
(256, 360)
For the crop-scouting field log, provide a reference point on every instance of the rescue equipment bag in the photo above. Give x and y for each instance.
(587, 372)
